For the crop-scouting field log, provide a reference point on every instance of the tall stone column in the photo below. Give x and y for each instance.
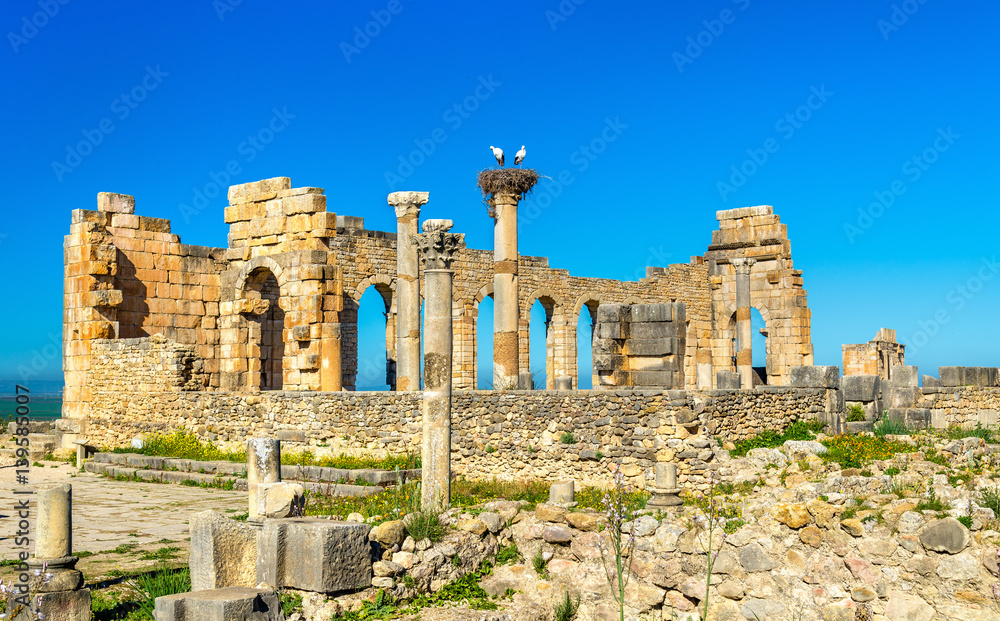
(407, 205)
(505, 292)
(744, 351)
(437, 247)
(330, 378)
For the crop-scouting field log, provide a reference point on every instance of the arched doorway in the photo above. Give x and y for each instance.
(265, 332)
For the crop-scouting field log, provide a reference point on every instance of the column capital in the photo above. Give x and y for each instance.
(436, 245)
(408, 203)
(743, 265)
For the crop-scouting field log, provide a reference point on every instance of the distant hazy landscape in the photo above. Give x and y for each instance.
(45, 398)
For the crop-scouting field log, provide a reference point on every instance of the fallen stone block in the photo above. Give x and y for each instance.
(315, 555)
(228, 604)
(280, 500)
(815, 376)
(223, 552)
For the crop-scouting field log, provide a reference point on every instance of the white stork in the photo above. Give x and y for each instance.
(519, 156)
(497, 153)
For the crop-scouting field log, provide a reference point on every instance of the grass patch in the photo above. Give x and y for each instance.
(855, 414)
(162, 554)
(147, 587)
(465, 589)
(185, 445)
(957, 433)
(567, 438)
(931, 503)
(539, 563)
(565, 608)
(990, 498)
(424, 525)
(799, 430)
(290, 602)
(855, 451)
(507, 555)
(890, 426)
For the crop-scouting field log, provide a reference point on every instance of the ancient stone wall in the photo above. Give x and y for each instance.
(876, 357)
(640, 345)
(962, 406)
(154, 364)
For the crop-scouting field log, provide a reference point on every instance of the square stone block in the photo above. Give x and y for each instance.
(727, 380)
(652, 330)
(63, 605)
(651, 312)
(223, 552)
(610, 313)
(228, 604)
(315, 555)
(951, 376)
(815, 376)
(651, 347)
(862, 388)
(903, 375)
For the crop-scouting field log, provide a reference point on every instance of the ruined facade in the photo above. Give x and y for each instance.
(876, 357)
(277, 308)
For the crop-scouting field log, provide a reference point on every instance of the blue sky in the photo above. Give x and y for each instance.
(165, 97)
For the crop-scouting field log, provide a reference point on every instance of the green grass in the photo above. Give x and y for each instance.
(539, 563)
(162, 554)
(147, 587)
(931, 503)
(855, 414)
(507, 555)
(290, 602)
(957, 433)
(567, 438)
(185, 445)
(465, 589)
(565, 608)
(799, 430)
(990, 498)
(890, 426)
(424, 525)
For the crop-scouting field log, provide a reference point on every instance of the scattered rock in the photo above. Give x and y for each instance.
(906, 607)
(754, 558)
(853, 527)
(811, 536)
(794, 516)
(947, 535)
(584, 521)
(389, 533)
(557, 534)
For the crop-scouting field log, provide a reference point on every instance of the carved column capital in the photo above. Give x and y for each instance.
(408, 203)
(437, 246)
(743, 265)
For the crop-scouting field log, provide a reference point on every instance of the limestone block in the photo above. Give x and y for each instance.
(652, 330)
(988, 418)
(562, 493)
(281, 499)
(228, 604)
(947, 535)
(63, 605)
(611, 313)
(315, 555)
(903, 396)
(115, 203)
(815, 376)
(245, 192)
(651, 347)
(862, 388)
(223, 552)
(928, 381)
(727, 380)
(951, 376)
(651, 312)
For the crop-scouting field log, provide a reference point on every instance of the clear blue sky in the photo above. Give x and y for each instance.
(687, 90)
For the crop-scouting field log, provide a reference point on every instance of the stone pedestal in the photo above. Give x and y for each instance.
(313, 554)
(744, 351)
(56, 591)
(407, 206)
(562, 494)
(228, 604)
(263, 466)
(665, 493)
(506, 372)
(437, 247)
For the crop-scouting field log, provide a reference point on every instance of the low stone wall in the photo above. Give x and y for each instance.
(962, 406)
(576, 434)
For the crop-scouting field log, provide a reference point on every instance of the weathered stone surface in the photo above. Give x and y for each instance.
(62, 605)
(824, 513)
(963, 566)
(811, 536)
(584, 521)
(550, 513)
(557, 534)
(947, 535)
(493, 521)
(406, 560)
(761, 457)
(906, 607)
(281, 499)
(386, 568)
(228, 604)
(223, 552)
(853, 527)
(474, 526)
(793, 515)
(753, 558)
(389, 533)
(800, 449)
(314, 555)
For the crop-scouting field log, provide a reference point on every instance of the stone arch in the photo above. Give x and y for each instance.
(257, 263)
(486, 290)
(727, 323)
(264, 335)
(385, 286)
(554, 329)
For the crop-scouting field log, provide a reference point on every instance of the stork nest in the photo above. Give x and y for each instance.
(496, 181)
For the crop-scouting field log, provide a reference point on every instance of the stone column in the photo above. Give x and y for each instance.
(331, 378)
(263, 466)
(505, 292)
(56, 592)
(437, 247)
(744, 352)
(407, 205)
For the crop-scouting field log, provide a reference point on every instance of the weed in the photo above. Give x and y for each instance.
(567, 438)
(162, 554)
(931, 503)
(540, 564)
(799, 430)
(508, 554)
(966, 520)
(565, 608)
(990, 497)
(490, 448)
(893, 471)
(957, 433)
(894, 426)
(855, 414)
(424, 525)
(147, 587)
(290, 602)
(855, 451)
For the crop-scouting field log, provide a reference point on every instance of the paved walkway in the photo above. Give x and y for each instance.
(108, 513)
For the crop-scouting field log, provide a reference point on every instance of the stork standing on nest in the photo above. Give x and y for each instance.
(497, 153)
(519, 156)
